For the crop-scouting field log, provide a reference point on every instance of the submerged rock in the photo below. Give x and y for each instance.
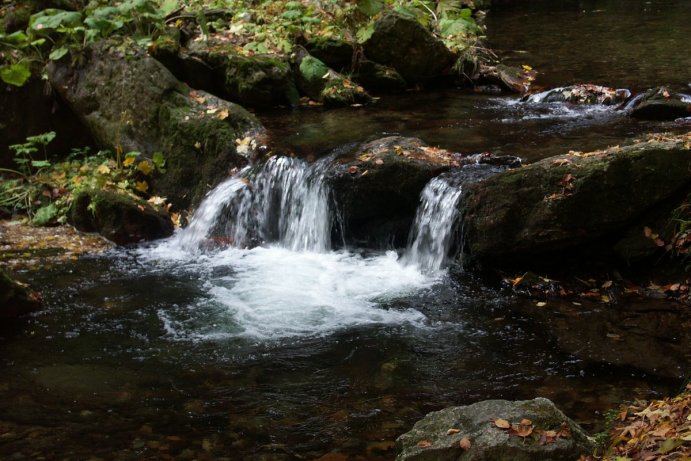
(130, 102)
(497, 430)
(404, 44)
(119, 218)
(570, 200)
(518, 80)
(660, 104)
(16, 298)
(582, 94)
(651, 335)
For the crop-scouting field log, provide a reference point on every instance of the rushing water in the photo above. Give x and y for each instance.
(247, 336)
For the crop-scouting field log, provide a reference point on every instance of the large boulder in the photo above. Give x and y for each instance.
(404, 44)
(130, 102)
(496, 430)
(16, 298)
(660, 104)
(570, 200)
(261, 80)
(120, 218)
(377, 186)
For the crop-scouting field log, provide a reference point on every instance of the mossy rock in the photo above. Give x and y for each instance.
(404, 44)
(16, 298)
(571, 200)
(130, 102)
(118, 217)
(261, 81)
(324, 84)
(442, 431)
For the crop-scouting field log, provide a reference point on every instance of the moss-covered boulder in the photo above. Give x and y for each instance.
(377, 186)
(16, 298)
(130, 102)
(335, 53)
(323, 84)
(571, 200)
(497, 430)
(120, 218)
(378, 78)
(404, 44)
(261, 81)
(660, 104)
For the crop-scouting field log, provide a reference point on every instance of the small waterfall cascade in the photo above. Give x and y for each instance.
(286, 201)
(435, 225)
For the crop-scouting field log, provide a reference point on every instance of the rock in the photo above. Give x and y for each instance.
(337, 54)
(551, 436)
(323, 84)
(16, 298)
(120, 218)
(379, 78)
(570, 200)
(377, 185)
(31, 110)
(581, 94)
(130, 102)
(651, 335)
(404, 44)
(518, 80)
(660, 104)
(262, 80)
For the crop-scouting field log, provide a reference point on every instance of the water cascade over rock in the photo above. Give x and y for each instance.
(435, 225)
(285, 202)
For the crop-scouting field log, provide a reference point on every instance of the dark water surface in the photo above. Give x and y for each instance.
(139, 357)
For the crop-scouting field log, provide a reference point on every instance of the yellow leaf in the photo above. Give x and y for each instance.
(223, 114)
(502, 423)
(526, 67)
(141, 186)
(128, 161)
(103, 169)
(145, 167)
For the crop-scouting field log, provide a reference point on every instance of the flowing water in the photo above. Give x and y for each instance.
(250, 335)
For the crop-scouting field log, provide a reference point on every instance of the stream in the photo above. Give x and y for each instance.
(300, 348)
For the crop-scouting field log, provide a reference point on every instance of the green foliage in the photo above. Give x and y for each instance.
(45, 190)
(15, 74)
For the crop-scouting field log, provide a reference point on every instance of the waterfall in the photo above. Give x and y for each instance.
(434, 228)
(284, 202)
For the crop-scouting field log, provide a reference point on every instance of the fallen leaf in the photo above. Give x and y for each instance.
(424, 444)
(541, 304)
(379, 161)
(502, 423)
(526, 422)
(452, 431)
(465, 443)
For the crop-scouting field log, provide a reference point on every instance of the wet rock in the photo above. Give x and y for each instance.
(130, 102)
(570, 200)
(119, 218)
(323, 84)
(651, 335)
(515, 79)
(379, 78)
(551, 436)
(404, 44)
(377, 185)
(16, 298)
(660, 104)
(582, 94)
